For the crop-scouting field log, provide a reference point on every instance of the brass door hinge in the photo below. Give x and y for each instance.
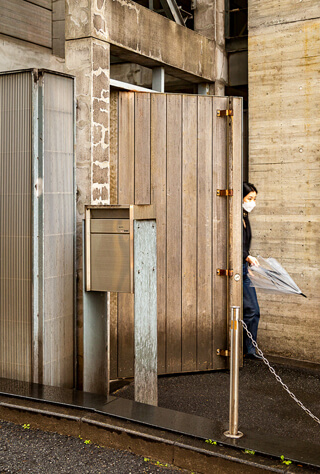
(224, 113)
(224, 192)
(223, 352)
(224, 272)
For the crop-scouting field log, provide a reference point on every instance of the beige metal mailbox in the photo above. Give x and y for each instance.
(109, 246)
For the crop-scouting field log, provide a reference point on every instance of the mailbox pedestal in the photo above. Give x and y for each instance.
(120, 256)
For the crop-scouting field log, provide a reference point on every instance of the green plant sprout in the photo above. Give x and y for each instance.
(285, 461)
(209, 441)
(87, 441)
(26, 426)
(249, 451)
(156, 463)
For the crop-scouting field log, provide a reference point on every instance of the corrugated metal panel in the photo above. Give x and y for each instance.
(15, 226)
(58, 230)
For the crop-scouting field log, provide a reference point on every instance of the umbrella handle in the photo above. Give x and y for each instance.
(303, 295)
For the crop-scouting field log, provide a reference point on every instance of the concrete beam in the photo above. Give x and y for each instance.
(129, 27)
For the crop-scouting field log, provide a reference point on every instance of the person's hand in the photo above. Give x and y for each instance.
(252, 261)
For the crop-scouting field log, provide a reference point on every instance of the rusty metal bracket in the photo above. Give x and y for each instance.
(224, 192)
(223, 352)
(224, 113)
(224, 272)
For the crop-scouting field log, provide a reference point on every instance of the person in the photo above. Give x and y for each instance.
(251, 310)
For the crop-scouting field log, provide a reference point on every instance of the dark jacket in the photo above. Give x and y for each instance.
(246, 236)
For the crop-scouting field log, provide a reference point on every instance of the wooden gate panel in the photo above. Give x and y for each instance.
(126, 194)
(174, 237)
(172, 152)
(220, 225)
(205, 236)
(142, 163)
(159, 198)
(189, 233)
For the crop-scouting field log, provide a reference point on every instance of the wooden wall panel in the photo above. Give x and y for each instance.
(174, 150)
(284, 73)
(204, 235)
(126, 196)
(142, 149)
(159, 199)
(219, 236)
(114, 131)
(186, 153)
(189, 231)
(27, 21)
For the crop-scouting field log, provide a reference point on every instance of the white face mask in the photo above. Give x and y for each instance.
(248, 205)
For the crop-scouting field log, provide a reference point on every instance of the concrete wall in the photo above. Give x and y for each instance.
(284, 163)
(16, 54)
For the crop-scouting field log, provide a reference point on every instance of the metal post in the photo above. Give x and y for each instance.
(234, 375)
(158, 79)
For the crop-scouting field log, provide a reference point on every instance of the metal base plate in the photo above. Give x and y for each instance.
(229, 435)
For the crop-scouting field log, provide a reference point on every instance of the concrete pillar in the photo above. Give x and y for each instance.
(209, 22)
(88, 59)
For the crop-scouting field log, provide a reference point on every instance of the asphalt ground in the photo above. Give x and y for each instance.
(264, 406)
(23, 450)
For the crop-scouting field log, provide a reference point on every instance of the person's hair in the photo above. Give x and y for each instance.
(249, 188)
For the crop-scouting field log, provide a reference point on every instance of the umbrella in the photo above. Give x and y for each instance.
(271, 276)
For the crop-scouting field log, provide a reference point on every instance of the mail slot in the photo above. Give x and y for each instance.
(109, 246)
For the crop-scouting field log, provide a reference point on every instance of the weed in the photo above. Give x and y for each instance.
(209, 441)
(249, 451)
(26, 426)
(285, 461)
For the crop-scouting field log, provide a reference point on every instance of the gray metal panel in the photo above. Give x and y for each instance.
(58, 230)
(15, 226)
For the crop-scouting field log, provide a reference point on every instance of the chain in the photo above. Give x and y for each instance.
(278, 378)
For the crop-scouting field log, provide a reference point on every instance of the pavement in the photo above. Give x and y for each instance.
(185, 431)
(266, 410)
(24, 449)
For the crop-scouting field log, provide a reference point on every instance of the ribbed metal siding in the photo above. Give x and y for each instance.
(15, 226)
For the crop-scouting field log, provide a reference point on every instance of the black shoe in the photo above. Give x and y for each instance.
(253, 356)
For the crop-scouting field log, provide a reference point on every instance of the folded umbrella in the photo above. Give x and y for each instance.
(271, 276)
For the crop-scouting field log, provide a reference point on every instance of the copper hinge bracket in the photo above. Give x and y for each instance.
(224, 272)
(224, 113)
(224, 192)
(222, 352)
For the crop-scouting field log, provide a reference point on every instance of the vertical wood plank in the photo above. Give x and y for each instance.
(145, 308)
(114, 115)
(204, 266)
(159, 200)
(173, 233)
(235, 203)
(126, 196)
(126, 148)
(219, 245)
(189, 233)
(142, 149)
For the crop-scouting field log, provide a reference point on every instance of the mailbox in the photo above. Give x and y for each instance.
(109, 246)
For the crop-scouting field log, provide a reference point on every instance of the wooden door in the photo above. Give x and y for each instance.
(175, 152)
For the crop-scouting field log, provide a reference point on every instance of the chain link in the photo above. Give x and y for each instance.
(278, 378)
